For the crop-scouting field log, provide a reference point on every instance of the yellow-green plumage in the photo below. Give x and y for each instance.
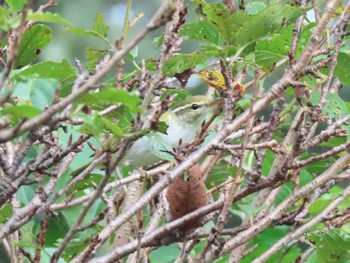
(184, 121)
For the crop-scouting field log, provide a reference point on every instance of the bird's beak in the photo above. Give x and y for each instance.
(215, 102)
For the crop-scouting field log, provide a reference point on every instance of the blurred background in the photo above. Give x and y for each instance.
(82, 13)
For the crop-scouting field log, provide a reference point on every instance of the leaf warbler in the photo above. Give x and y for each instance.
(184, 121)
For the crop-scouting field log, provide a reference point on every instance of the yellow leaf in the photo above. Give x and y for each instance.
(215, 79)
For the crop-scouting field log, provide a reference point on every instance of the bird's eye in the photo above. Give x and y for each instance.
(195, 106)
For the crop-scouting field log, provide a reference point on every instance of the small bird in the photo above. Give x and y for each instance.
(184, 121)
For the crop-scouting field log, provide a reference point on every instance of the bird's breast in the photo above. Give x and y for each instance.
(185, 133)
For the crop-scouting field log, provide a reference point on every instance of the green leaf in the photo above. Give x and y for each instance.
(305, 177)
(34, 40)
(254, 7)
(25, 194)
(99, 25)
(88, 182)
(250, 211)
(109, 96)
(333, 239)
(320, 166)
(269, 159)
(124, 117)
(99, 29)
(16, 5)
(84, 155)
(334, 107)
(180, 95)
(134, 52)
(266, 58)
(39, 92)
(269, 51)
(93, 55)
(158, 41)
(220, 17)
(48, 17)
(320, 205)
(5, 213)
(268, 238)
(211, 50)
(342, 69)
(267, 21)
(162, 127)
(93, 125)
(22, 111)
(150, 64)
(219, 174)
(165, 254)
(7, 20)
(97, 125)
(310, 81)
(61, 71)
(82, 32)
(333, 141)
(328, 256)
(58, 227)
(322, 202)
(202, 30)
(286, 190)
(112, 127)
(240, 28)
(243, 104)
(180, 62)
(74, 247)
